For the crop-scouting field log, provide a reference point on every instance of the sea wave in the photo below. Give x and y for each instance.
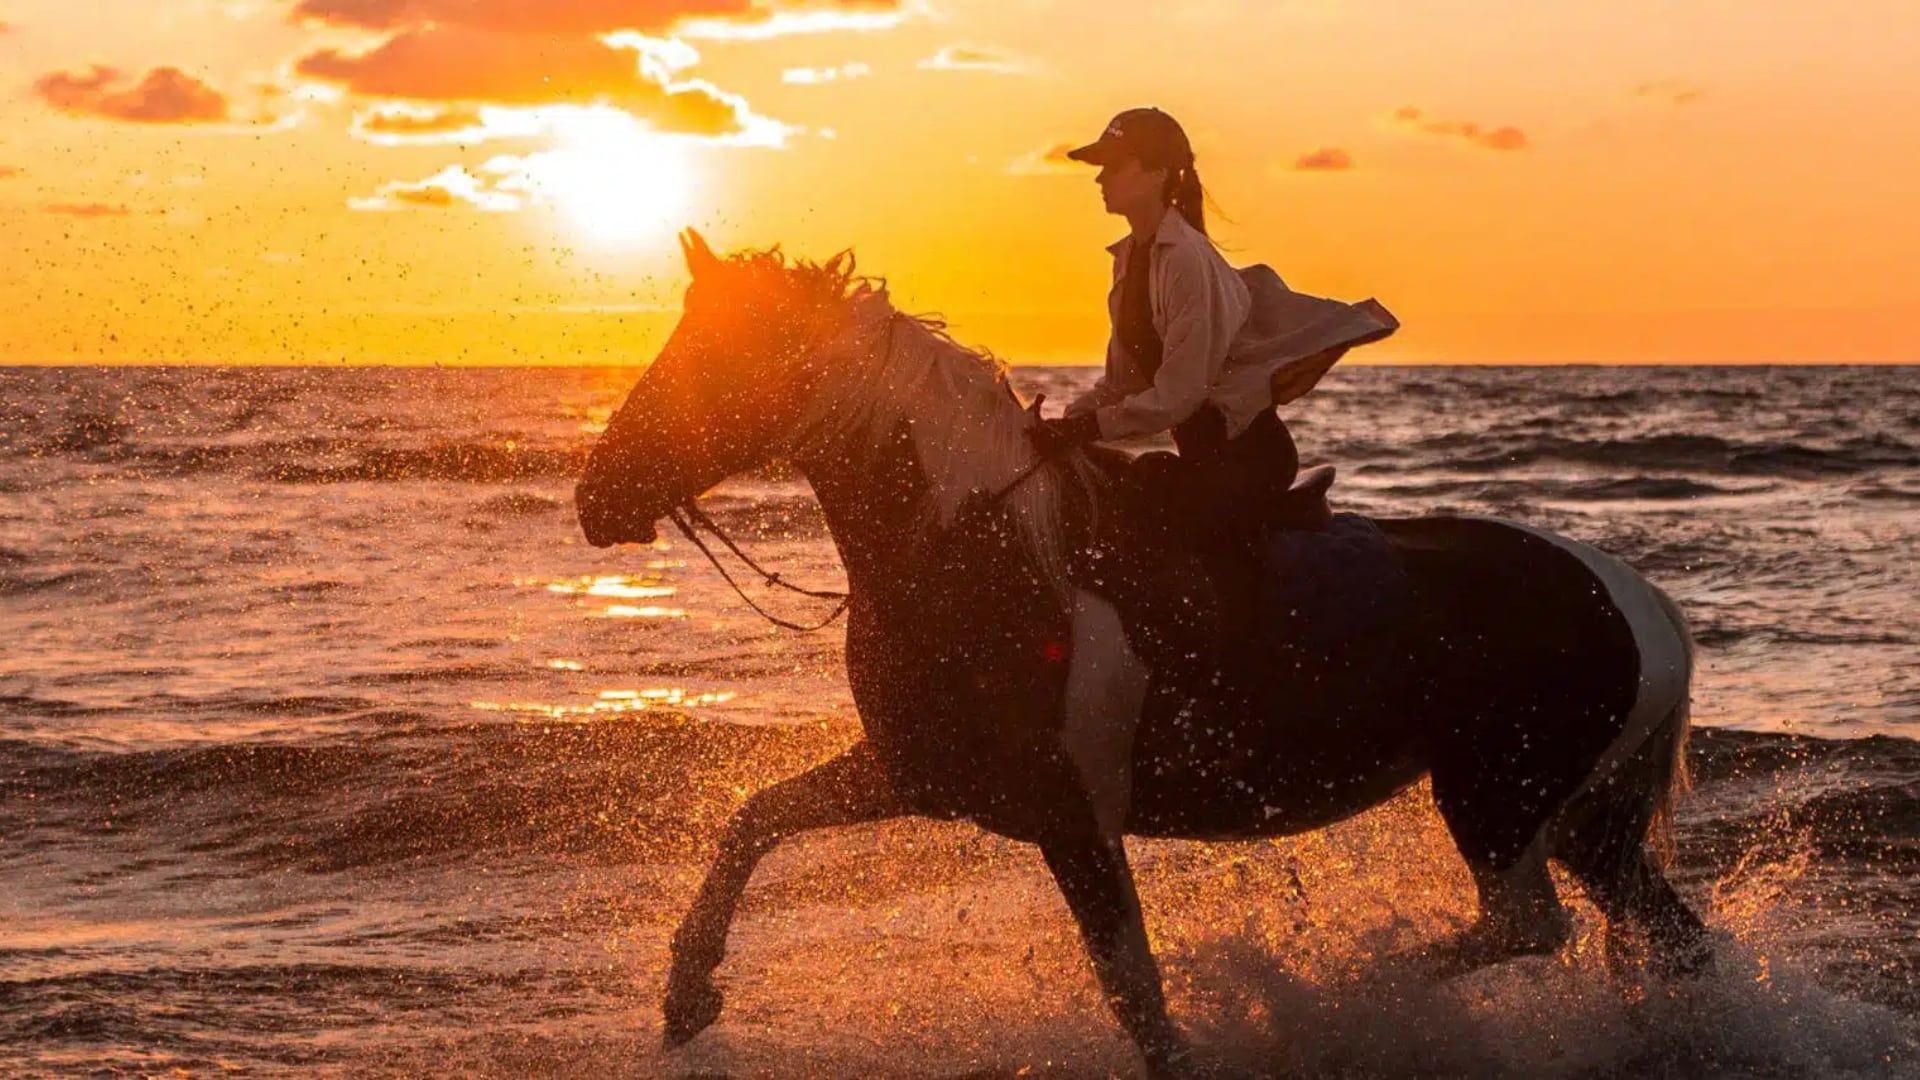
(411, 789)
(470, 462)
(1677, 453)
(1649, 488)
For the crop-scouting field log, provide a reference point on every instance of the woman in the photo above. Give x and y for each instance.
(1176, 310)
(1176, 307)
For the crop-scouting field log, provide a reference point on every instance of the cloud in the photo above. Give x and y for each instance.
(1499, 138)
(970, 58)
(815, 76)
(8, 172)
(694, 18)
(1325, 159)
(1671, 91)
(513, 61)
(450, 187)
(1051, 161)
(514, 16)
(166, 95)
(453, 64)
(864, 16)
(398, 124)
(89, 210)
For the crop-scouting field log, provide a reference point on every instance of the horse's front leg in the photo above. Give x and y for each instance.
(1093, 876)
(847, 790)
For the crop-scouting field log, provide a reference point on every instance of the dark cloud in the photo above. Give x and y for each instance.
(427, 195)
(92, 209)
(576, 17)
(525, 53)
(1325, 159)
(1671, 91)
(428, 122)
(1502, 138)
(166, 95)
(1498, 138)
(464, 65)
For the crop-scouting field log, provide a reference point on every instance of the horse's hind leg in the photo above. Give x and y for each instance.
(847, 790)
(1638, 894)
(1603, 842)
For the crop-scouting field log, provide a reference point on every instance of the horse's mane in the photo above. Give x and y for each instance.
(837, 282)
(966, 421)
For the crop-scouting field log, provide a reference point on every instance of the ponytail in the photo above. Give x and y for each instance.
(1185, 194)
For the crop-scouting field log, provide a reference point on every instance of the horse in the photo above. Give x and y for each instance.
(1539, 683)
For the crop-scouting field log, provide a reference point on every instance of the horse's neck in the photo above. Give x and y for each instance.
(912, 435)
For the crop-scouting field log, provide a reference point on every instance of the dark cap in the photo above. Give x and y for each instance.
(1148, 134)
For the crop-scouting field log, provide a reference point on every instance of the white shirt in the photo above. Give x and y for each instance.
(1228, 337)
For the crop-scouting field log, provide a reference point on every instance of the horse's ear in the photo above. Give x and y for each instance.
(700, 257)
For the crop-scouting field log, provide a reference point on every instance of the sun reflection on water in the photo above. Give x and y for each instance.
(613, 585)
(611, 702)
(650, 611)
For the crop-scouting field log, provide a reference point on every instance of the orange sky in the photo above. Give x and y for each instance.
(499, 180)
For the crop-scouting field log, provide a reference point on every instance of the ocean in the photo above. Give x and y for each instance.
(328, 745)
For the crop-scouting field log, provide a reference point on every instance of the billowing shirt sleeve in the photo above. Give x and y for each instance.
(1201, 314)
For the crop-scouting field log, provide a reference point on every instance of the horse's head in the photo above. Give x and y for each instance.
(730, 385)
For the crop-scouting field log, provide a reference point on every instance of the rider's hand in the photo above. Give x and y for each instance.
(1051, 437)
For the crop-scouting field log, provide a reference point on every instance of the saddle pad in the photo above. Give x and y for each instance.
(1324, 588)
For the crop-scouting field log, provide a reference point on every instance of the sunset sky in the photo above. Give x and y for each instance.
(477, 181)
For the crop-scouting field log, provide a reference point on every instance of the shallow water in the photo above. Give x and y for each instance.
(325, 741)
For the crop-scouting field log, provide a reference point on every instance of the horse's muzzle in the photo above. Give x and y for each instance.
(643, 534)
(606, 522)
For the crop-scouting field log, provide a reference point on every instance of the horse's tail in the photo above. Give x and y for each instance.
(1676, 782)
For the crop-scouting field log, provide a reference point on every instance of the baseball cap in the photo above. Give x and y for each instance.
(1146, 133)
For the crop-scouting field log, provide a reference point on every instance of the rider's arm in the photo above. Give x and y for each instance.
(1109, 388)
(1203, 311)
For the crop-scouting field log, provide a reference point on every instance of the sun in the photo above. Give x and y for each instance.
(614, 180)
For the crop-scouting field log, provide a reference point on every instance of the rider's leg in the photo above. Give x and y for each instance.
(1233, 486)
(1157, 579)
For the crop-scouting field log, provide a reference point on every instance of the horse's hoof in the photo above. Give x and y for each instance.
(1479, 946)
(1182, 1062)
(692, 1004)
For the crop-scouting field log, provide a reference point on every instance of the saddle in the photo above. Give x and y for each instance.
(1304, 507)
(1187, 604)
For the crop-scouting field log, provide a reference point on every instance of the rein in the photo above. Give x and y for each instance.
(687, 515)
(696, 516)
